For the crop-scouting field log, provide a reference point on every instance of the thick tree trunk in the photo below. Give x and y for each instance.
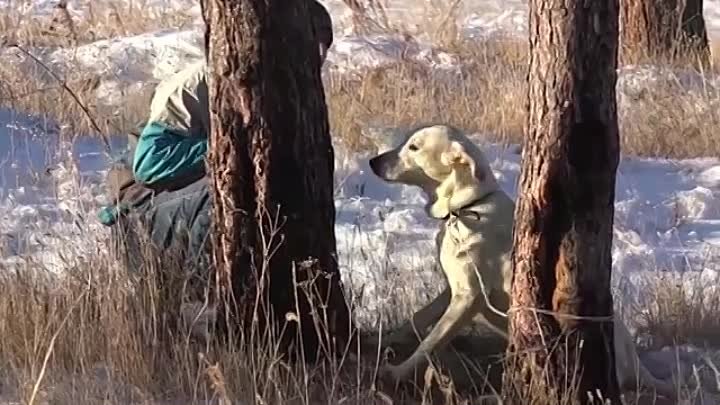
(663, 29)
(272, 166)
(564, 214)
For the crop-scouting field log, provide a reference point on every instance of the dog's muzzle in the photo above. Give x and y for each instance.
(385, 165)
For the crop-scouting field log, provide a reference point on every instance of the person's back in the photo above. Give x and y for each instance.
(169, 154)
(171, 148)
(181, 101)
(151, 186)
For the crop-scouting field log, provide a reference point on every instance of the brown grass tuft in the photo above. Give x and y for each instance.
(109, 336)
(682, 310)
(100, 20)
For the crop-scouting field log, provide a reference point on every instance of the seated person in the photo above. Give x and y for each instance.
(166, 189)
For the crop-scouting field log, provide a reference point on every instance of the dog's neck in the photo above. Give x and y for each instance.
(456, 194)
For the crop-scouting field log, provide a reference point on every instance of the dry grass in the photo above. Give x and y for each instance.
(484, 97)
(682, 311)
(488, 95)
(110, 337)
(65, 98)
(118, 345)
(113, 337)
(26, 86)
(100, 20)
(98, 333)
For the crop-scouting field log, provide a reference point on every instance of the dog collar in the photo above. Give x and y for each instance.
(466, 210)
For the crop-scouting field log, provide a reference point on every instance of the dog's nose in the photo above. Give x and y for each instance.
(383, 165)
(374, 164)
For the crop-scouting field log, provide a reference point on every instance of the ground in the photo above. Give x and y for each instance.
(419, 62)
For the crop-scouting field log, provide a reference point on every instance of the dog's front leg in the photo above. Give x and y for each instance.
(458, 314)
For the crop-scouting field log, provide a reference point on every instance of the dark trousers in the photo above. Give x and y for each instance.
(174, 226)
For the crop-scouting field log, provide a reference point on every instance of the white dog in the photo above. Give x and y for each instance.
(474, 247)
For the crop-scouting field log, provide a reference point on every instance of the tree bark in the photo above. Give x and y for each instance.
(663, 29)
(564, 214)
(271, 161)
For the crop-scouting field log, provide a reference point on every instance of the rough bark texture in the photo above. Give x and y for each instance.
(663, 29)
(564, 213)
(272, 164)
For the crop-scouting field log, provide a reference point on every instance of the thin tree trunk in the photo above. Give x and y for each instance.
(694, 40)
(272, 166)
(664, 30)
(564, 214)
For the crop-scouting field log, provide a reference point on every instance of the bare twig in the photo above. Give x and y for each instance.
(63, 83)
(51, 347)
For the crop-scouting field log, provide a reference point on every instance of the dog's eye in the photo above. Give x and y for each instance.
(413, 147)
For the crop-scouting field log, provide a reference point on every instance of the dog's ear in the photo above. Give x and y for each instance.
(457, 158)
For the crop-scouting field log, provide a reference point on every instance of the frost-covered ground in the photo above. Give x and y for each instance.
(667, 212)
(479, 16)
(124, 65)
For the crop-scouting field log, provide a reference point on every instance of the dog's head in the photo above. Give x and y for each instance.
(441, 160)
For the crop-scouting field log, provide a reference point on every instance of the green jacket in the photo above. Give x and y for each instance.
(171, 148)
(173, 144)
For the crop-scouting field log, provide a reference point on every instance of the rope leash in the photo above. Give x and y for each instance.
(608, 318)
(453, 221)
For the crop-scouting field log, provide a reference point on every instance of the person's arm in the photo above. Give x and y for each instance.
(163, 155)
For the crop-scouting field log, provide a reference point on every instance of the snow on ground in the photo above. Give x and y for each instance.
(126, 64)
(48, 190)
(667, 219)
(669, 227)
(667, 212)
(479, 17)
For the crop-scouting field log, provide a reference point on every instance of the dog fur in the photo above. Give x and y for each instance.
(474, 246)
